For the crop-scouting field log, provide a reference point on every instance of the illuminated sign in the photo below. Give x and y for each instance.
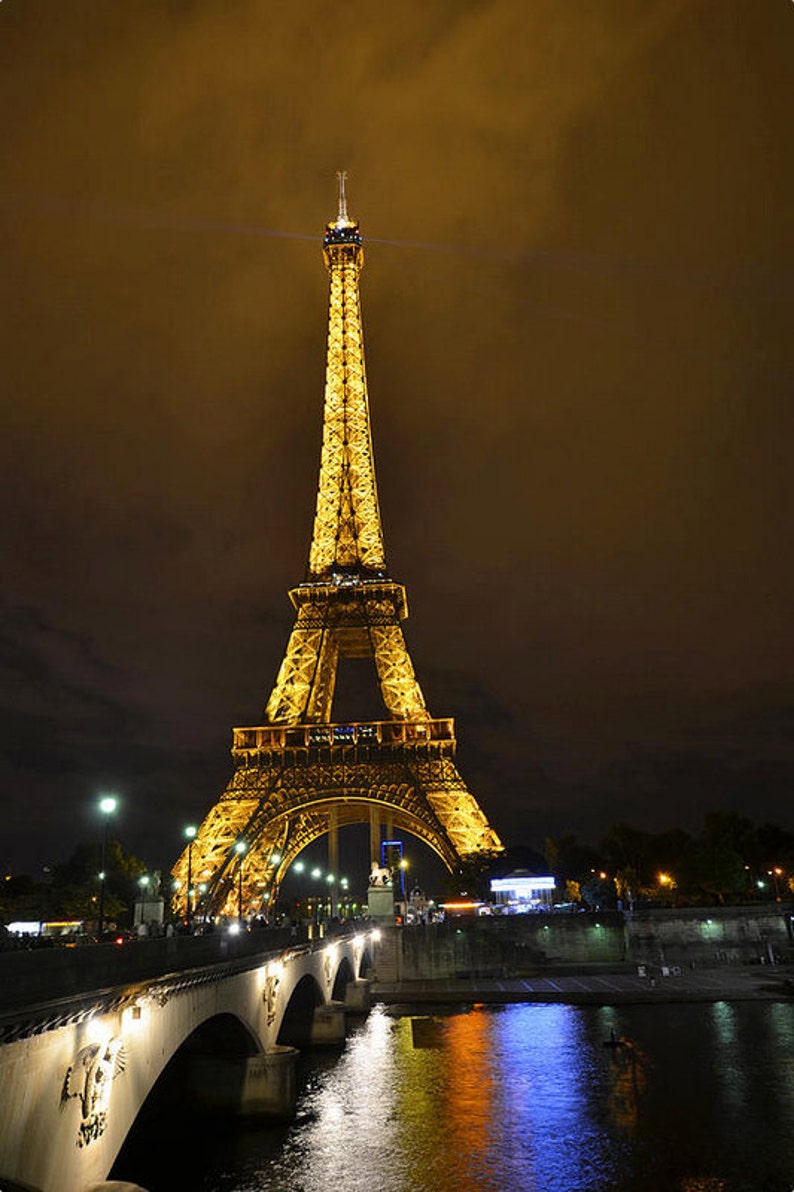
(521, 886)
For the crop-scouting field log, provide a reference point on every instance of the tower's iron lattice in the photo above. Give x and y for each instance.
(301, 775)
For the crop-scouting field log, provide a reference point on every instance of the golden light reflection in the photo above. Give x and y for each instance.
(454, 1090)
(628, 1082)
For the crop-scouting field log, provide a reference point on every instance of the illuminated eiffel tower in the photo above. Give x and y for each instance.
(302, 775)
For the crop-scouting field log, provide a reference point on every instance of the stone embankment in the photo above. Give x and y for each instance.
(599, 987)
(658, 954)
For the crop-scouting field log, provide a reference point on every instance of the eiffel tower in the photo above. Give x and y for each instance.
(302, 775)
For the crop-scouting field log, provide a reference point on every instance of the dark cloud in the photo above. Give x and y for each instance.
(579, 256)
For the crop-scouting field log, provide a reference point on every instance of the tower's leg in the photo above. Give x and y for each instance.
(333, 859)
(401, 693)
(374, 834)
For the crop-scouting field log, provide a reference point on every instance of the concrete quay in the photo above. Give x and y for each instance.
(609, 985)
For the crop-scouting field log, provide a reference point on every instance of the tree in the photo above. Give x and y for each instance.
(598, 891)
(567, 858)
(629, 850)
(715, 868)
(75, 882)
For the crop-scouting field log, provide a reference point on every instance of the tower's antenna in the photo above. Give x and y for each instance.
(342, 216)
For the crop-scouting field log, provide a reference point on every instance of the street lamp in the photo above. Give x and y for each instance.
(190, 832)
(240, 848)
(107, 805)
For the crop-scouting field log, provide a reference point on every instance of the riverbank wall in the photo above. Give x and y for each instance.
(713, 935)
(519, 945)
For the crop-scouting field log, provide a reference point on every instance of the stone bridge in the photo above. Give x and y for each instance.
(226, 1015)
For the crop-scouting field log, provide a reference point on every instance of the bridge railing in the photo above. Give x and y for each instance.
(28, 978)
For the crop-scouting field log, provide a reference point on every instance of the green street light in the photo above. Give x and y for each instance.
(190, 832)
(107, 805)
(240, 848)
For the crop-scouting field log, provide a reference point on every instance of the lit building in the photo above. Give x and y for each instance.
(521, 891)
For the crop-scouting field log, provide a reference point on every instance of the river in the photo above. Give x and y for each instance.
(520, 1098)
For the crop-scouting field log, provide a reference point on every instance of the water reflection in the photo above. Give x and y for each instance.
(452, 1089)
(699, 1099)
(732, 1066)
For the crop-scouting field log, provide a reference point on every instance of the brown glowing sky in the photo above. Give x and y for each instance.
(577, 306)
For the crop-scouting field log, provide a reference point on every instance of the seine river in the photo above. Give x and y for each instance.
(522, 1098)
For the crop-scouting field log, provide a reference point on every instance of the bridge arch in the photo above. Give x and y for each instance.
(298, 1014)
(366, 964)
(344, 975)
(221, 1034)
(217, 1048)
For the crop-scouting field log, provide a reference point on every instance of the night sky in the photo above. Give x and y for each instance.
(577, 306)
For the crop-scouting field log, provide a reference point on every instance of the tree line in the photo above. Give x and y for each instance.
(732, 859)
(69, 891)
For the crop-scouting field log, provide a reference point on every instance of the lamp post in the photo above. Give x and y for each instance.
(317, 873)
(190, 832)
(240, 848)
(107, 805)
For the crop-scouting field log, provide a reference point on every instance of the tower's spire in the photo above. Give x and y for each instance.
(347, 538)
(341, 176)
